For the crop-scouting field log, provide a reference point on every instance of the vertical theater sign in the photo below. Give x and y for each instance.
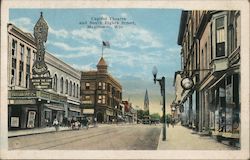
(41, 76)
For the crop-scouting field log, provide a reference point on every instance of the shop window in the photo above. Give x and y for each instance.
(220, 37)
(87, 85)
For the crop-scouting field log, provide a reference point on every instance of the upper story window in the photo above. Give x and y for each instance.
(13, 49)
(99, 85)
(77, 91)
(55, 83)
(22, 52)
(66, 86)
(28, 56)
(87, 85)
(103, 85)
(70, 88)
(74, 89)
(220, 37)
(61, 88)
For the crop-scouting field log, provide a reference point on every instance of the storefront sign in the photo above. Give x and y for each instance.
(187, 83)
(22, 93)
(87, 102)
(14, 121)
(31, 119)
(88, 111)
(23, 101)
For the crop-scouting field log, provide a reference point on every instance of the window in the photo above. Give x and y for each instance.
(87, 85)
(74, 89)
(103, 99)
(13, 76)
(70, 88)
(220, 37)
(99, 99)
(87, 97)
(13, 50)
(34, 56)
(27, 68)
(61, 89)
(55, 83)
(27, 80)
(100, 85)
(20, 78)
(108, 87)
(77, 90)
(22, 52)
(21, 66)
(14, 63)
(66, 86)
(103, 86)
(28, 55)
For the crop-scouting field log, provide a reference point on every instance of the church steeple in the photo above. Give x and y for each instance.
(102, 66)
(146, 101)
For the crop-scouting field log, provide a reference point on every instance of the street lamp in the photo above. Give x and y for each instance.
(162, 84)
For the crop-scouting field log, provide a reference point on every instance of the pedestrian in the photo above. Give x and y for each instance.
(95, 121)
(56, 124)
(173, 123)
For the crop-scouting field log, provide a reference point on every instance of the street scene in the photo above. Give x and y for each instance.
(111, 79)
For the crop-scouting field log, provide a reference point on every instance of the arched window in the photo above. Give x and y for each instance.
(70, 88)
(55, 83)
(77, 91)
(61, 89)
(74, 90)
(66, 86)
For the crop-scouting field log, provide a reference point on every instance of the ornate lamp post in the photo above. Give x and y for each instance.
(162, 84)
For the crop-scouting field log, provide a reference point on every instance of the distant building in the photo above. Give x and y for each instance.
(101, 94)
(146, 101)
(29, 107)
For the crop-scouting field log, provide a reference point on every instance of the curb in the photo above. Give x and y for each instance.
(28, 134)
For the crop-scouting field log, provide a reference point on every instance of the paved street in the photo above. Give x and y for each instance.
(113, 137)
(118, 137)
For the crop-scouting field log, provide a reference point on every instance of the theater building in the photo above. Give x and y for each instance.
(30, 107)
(101, 94)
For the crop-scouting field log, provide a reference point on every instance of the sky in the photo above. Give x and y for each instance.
(139, 39)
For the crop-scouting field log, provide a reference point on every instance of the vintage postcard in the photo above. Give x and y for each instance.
(124, 79)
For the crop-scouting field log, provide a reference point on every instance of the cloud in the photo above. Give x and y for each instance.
(24, 23)
(74, 52)
(87, 34)
(136, 36)
(60, 33)
(87, 67)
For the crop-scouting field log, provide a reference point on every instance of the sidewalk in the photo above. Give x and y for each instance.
(182, 138)
(38, 131)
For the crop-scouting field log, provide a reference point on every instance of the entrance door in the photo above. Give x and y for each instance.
(99, 117)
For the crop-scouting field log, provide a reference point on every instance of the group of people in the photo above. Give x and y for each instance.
(73, 123)
(171, 121)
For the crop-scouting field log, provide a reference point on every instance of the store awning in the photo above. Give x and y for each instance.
(74, 109)
(54, 107)
(215, 83)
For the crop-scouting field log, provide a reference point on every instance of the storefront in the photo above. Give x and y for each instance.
(34, 108)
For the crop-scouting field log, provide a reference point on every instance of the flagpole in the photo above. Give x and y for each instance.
(102, 50)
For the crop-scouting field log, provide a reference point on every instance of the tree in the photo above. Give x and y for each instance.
(155, 116)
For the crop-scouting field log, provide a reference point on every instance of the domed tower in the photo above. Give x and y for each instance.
(102, 66)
